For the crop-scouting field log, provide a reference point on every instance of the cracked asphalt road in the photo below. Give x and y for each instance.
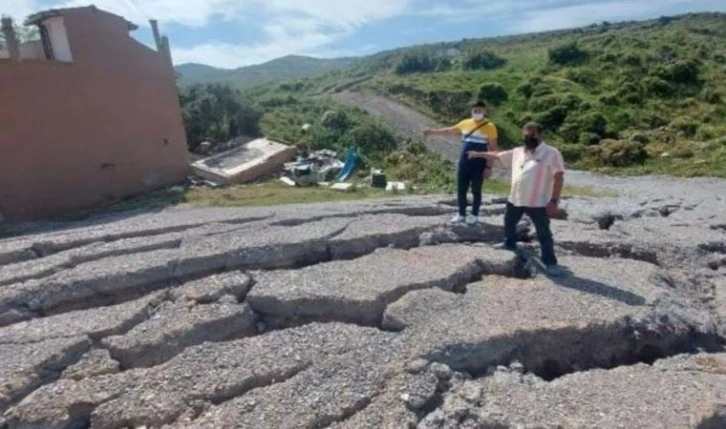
(374, 314)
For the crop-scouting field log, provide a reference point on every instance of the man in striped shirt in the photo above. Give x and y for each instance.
(537, 179)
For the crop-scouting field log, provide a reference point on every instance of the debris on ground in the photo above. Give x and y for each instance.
(246, 163)
(395, 187)
(378, 179)
(342, 186)
(319, 166)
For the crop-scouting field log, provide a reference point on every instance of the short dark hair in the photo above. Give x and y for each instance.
(533, 126)
(479, 103)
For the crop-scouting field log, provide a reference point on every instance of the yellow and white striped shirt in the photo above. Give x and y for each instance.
(532, 174)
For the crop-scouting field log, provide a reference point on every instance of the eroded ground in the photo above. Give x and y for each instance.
(367, 315)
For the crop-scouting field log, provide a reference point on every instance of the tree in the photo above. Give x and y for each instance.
(567, 54)
(217, 113)
(485, 60)
(23, 34)
(493, 92)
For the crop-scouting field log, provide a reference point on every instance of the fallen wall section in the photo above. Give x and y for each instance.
(249, 162)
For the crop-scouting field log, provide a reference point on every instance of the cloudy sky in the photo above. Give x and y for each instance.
(234, 33)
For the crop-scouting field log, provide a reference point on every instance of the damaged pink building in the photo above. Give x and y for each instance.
(88, 115)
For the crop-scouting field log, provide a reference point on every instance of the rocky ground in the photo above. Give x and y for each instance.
(371, 315)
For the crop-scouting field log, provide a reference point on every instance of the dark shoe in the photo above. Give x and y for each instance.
(555, 271)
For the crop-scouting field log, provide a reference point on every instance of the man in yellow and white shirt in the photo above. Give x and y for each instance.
(537, 179)
(478, 134)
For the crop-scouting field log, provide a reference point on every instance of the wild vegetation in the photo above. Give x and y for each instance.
(635, 97)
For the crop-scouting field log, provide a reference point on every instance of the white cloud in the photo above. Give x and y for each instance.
(313, 26)
(18, 9)
(288, 26)
(540, 15)
(589, 13)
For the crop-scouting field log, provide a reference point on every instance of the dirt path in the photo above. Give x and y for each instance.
(405, 121)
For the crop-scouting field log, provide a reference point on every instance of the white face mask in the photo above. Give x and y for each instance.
(477, 116)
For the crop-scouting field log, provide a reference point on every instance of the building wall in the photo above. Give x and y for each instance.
(105, 126)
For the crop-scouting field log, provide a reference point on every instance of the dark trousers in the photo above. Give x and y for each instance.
(471, 173)
(541, 223)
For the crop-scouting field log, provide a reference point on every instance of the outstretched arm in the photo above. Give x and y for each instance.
(440, 131)
(491, 156)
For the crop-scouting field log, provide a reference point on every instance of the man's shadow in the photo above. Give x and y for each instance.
(568, 279)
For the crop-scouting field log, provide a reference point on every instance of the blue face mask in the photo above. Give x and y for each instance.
(477, 116)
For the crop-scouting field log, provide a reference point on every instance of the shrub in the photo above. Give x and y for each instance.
(640, 138)
(622, 120)
(683, 151)
(609, 99)
(485, 60)
(653, 120)
(710, 96)
(526, 89)
(686, 125)
(592, 122)
(567, 54)
(541, 104)
(706, 133)
(572, 152)
(553, 118)
(493, 92)
(589, 139)
(655, 86)
(371, 138)
(572, 101)
(681, 72)
(618, 153)
(583, 76)
(334, 120)
(629, 92)
(541, 90)
(421, 63)
(631, 59)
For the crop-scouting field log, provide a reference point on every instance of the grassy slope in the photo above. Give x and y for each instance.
(289, 67)
(675, 129)
(687, 124)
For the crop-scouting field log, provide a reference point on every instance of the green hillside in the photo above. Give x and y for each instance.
(635, 97)
(289, 67)
(647, 95)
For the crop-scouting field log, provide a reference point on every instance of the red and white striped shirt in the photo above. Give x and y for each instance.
(532, 174)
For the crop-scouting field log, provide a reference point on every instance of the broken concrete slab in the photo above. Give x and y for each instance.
(595, 317)
(95, 323)
(260, 157)
(94, 363)
(108, 279)
(211, 289)
(630, 396)
(328, 392)
(407, 395)
(335, 291)
(24, 367)
(93, 283)
(209, 373)
(54, 262)
(368, 233)
(176, 326)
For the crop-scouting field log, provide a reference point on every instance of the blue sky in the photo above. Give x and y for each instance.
(234, 33)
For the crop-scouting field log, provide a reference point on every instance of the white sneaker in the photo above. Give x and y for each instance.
(472, 220)
(457, 219)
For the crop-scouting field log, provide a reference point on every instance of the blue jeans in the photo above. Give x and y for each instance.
(541, 223)
(471, 173)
